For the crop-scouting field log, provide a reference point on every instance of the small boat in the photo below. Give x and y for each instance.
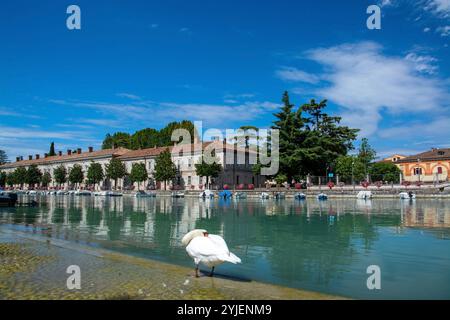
(240, 195)
(83, 193)
(322, 197)
(115, 194)
(8, 199)
(32, 193)
(71, 192)
(300, 196)
(407, 196)
(177, 194)
(280, 196)
(143, 194)
(364, 195)
(52, 192)
(264, 196)
(206, 194)
(225, 194)
(61, 193)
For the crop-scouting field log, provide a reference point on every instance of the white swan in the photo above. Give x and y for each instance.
(208, 249)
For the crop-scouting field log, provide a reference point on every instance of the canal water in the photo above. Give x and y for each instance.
(319, 246)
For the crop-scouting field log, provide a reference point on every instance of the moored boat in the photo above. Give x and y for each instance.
(364, 195)
(322, 197)
(407, 196)
(300, 196)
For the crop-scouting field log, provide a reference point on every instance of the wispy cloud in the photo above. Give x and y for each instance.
(129, 96)
(444, 31)
(157, 112)
(364, 81)
(294, 74)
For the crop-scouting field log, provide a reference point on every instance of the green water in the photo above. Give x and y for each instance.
(320, 246)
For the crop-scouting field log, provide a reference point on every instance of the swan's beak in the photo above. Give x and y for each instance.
(205, 234)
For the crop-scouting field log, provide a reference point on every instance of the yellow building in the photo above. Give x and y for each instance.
(427, 167)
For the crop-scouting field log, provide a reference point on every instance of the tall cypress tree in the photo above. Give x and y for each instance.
(52, 150)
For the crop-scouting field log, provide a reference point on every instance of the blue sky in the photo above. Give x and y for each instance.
(137, 64)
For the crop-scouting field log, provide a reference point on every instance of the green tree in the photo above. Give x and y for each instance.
(95, 173)
(118, 139)
(46, 179)
(60, 174)
(350, 168)
(115, 170)
(11, 179)
(366, 154)
(385, 171)
(251, 132)
(326, 139)
(76, 175)
(290, 124)
(138, 173)
(207, 170)
(280, 179)
(34, 175)
(52, 152)
(3, 178)
(20, 176)
(3, 157)
(165, 169)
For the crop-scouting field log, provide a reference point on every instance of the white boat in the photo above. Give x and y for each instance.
(61, 192)
(280, 195)
(322, 196)
(264, 196)
(52, 192)
(32, 192)
(206, 194)
(143, 194)
(83, 193)
(177, 194)
(364, 195)
(407, 196)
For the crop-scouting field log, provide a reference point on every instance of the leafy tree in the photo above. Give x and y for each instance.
(147, 138)
(95, 173)
(366, 154)
(165, 169)
(290, 124)
(60, 175)
(280, 179)
(52, 150)
(20, 176)
(34, 175)
(76, 174)
(326, 139)
(2, 178)
(250, 134)
(204, 169)
(11, 179)
(3, 157)
(385, 171)
(46, 179)
(118, 139)
(138, 173)
(350, 168)
(115, 170)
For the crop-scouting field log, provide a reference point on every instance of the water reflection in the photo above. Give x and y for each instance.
(323, 246)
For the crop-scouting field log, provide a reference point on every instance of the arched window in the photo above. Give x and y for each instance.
(417, 171)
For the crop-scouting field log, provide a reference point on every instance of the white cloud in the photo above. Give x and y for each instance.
(364, 82)
(423, 64)
(128, 96)
(385, 3)
(439, 7)
(156, 112)
(426, 29)
(444, 31)
(294, 74)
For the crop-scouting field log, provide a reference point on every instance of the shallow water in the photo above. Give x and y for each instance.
(319, 246)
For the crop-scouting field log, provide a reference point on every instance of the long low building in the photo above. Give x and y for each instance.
(232, 174)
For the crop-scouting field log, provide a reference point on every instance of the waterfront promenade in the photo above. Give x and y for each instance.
(34, 267)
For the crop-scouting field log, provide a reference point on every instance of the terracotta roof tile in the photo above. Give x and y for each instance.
(432, 155)
(66, 157)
